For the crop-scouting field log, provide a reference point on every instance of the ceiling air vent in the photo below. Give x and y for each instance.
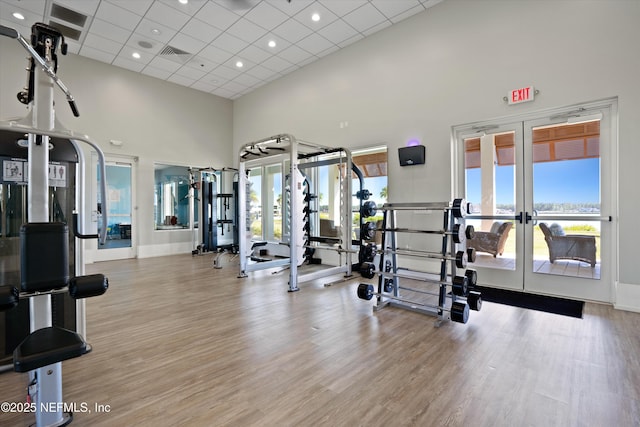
(68, 15)
(176, 55)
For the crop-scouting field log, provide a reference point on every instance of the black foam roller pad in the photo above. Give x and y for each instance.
(88, 286)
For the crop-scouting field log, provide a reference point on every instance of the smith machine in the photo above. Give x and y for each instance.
(42, 156)
(302, 234)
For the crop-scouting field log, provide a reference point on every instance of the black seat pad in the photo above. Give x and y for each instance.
(47, 346)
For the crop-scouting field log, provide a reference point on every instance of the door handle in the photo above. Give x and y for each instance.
(519, 217)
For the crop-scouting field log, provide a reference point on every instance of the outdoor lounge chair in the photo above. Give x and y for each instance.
(491, 241)
(569, 246)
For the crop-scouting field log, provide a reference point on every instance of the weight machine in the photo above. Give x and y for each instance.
(44, 259)
(299, 210)
(216, 190)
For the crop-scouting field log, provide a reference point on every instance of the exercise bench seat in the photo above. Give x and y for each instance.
(47, 346)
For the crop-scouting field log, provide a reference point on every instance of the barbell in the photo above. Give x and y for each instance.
(459, 310)
(458, 232)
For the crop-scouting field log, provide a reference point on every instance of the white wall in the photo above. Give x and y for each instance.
(156, 120)
(452, 65)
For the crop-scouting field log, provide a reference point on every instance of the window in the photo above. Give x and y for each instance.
(171, 197)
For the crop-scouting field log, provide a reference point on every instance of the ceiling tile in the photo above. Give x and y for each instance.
(351, 40)
(254, 54)
(109, 31)
(261, 72)
(214, 54)
(364, 17)
(155, 31)
(292, 31)
(73, 46)
(247, 80)
(187, 43)
(203, 86)
(328, 51)
(337, 31)
(315, 43)
(294, 54)
(276, 63)
(222, 92)
(191, 73)
(266, 16)
(34, 9)
(97, 54)
(190, 8)
(165, 15)
(139, 7)
(200, 30)
(87, 7)
(93, 41)
(121, 17)
(198, 62)
(407, 13)
(342, 7)
(263, 43)
(246, 64)
(122, 62)
(246, 30)
(229, 43)
(376, 28)
(226, 72)
(181, 80)
(156, 72)
(396, 7)
(164, 64)
(216, 15)
(234, 87)
(326, 16)
(291, 8)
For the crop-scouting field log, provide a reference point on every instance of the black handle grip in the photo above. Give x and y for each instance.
(72, 104)
(77, 232)
(9, 32)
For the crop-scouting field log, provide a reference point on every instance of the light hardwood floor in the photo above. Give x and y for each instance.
(177, 342)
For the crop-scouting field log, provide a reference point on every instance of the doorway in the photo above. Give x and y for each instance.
(543, 194)
(120, 242)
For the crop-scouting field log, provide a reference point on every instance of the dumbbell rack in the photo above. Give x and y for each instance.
(390, 273)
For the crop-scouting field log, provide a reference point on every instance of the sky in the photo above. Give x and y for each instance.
(569, 181)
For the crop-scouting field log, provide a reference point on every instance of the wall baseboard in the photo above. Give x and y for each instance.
(150, 251)
(627, 297)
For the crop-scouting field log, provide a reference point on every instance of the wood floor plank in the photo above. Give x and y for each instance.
(177, 342)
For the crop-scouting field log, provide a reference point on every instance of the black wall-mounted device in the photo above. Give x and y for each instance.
(410, 156)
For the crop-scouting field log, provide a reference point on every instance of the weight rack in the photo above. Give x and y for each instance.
(454, 294)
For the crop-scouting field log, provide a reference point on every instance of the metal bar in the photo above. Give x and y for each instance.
(319, 163)
(571, 218)
(503, 217)
(415, 206)
(322, 273)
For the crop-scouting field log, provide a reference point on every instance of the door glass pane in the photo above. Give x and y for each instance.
(255, 207)
(490, 174)
(566, 182)
(119, 206)
(273, 196)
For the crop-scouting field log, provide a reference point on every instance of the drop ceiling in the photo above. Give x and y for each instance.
(201, 44)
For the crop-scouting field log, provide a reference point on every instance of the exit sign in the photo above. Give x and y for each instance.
(524, 94)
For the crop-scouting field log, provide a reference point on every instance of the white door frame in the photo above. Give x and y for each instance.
(96, 254)
(535, 282)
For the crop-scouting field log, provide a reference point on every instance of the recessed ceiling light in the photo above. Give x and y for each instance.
(183, 1)
(156, 31)
(272, 43)
(239, 64)
(315, 17)
(136, 55)
(18, 15)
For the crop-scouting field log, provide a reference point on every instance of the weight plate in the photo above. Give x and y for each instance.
(365, 291)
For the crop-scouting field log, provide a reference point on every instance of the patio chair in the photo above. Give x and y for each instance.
(569, 246)
(491, 241)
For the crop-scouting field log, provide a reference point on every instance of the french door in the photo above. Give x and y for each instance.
(543, 195)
